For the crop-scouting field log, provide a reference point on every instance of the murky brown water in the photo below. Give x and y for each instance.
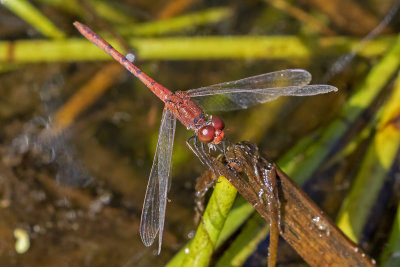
(79, 195)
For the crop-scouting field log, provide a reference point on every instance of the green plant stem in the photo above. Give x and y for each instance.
(374, 169)
(176, 24)
(104, 9)
(200, 248)
(255, 230)
(107, 10)
(179, 48)
(389, 257)
(236, 217)
(71, 6)
(34, 17)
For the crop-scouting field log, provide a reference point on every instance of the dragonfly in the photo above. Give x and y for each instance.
(189, 108)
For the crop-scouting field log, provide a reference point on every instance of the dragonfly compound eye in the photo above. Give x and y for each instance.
(206, 134)
(217, 122)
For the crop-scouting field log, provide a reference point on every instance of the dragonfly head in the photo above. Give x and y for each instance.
(212, 132)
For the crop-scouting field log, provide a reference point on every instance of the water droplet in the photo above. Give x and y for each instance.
(321, 225)
(260, 193)
(316, 219)
(191, 234)
(130, 57)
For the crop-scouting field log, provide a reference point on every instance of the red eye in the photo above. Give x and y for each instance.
(217, 122)
(206, 134)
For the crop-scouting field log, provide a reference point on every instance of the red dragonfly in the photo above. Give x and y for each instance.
(187, 107)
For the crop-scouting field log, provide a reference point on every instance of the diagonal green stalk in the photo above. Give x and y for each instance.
(71, 6)
(254, 230)
(34, 17)
(198, 252)
(107, 10)
(374, 169)
(236, 217)
(389, 257)
(104, 9)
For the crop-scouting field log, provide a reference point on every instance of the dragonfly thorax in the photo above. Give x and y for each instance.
(186, 111)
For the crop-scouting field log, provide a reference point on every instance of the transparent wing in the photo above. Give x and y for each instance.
(254, 90)
(153, 213)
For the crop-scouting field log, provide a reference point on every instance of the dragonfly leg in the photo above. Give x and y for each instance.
(194, 149)
(200, 152)
(225, 144)
(206, 156)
